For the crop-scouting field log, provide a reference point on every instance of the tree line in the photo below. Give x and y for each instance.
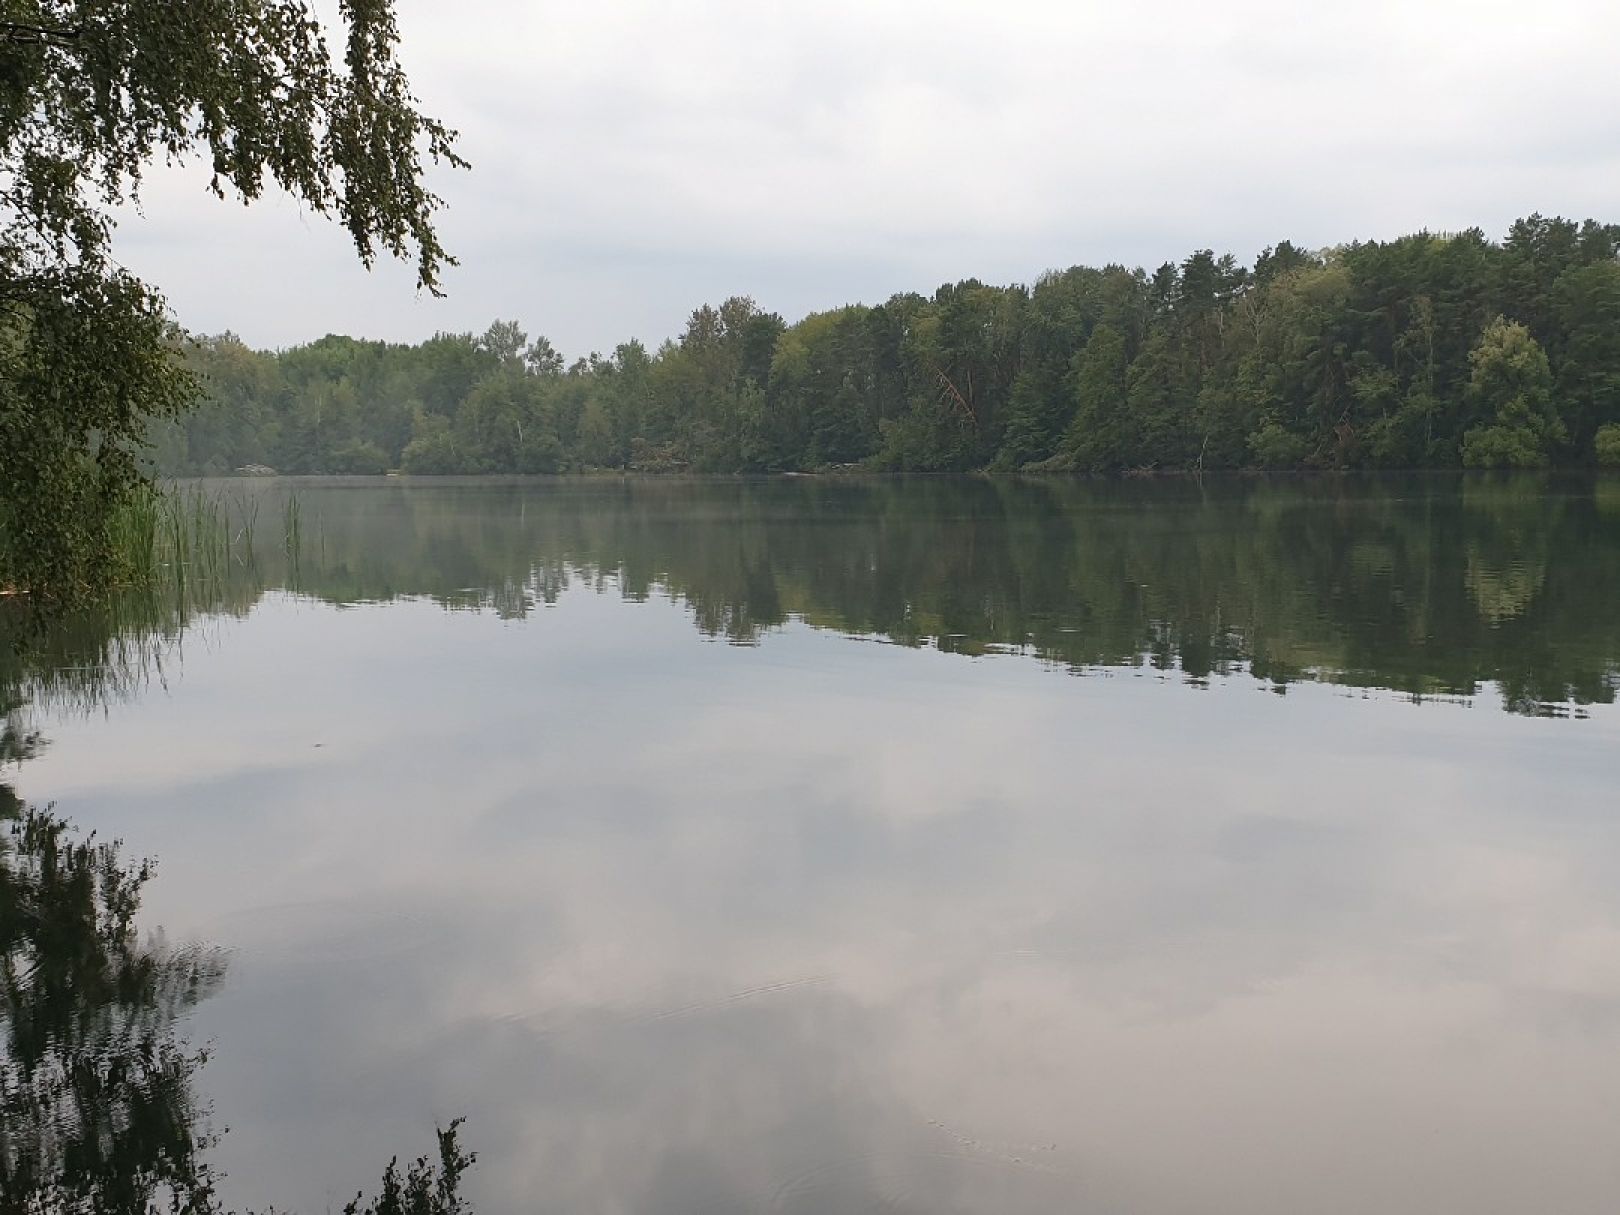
(1429, 351)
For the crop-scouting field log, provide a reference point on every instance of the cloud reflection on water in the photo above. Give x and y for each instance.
(827, 926)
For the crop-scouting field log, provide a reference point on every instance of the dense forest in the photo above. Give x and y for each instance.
(1430, 351)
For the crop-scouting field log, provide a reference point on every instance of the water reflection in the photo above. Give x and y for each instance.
(1427, 585)
(100, 1106)
(97, 1106)
(100, 1109)
(805, 925)
(1431, 586)
(814, 925)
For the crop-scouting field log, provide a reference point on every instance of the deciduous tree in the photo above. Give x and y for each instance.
(93, 93)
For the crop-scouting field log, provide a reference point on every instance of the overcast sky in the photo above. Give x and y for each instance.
(634, 158)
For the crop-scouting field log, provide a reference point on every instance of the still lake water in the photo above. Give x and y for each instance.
(936, 846)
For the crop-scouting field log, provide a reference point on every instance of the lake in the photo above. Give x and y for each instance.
(1242, 846)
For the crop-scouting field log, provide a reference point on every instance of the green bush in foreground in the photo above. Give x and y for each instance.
(91, 95)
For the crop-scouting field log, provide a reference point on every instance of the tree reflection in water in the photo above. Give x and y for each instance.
(96, 1082)
(98, 1107)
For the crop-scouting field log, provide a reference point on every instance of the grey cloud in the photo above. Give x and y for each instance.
(636, 159)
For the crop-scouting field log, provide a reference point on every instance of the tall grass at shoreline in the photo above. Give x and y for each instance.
(181, 537)
(191, 538)
(176, 554)
(174, 541)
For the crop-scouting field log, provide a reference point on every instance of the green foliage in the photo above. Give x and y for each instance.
(1402, 437)
(1360, 357)
(1034, 418)
(427, 1187)
(1274, 446)
(506, 425)
(76, 352)
(87, 102)
(432, 448)
(1507, 446)
(1511, 386)
(1105, 433)
(597, 447)
(358, 457)
(934, 435)
(1587, 328)
(1607, 445)
(90, 95)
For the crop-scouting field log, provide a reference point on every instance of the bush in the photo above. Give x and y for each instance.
(1503, 447)
(1608, 445)
(360, 459)
(432, 449)
(1275, 447)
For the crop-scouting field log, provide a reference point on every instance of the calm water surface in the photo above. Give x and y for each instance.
(838, 846)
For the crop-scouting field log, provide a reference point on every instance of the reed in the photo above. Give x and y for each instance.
(192, 541)
(178, 556)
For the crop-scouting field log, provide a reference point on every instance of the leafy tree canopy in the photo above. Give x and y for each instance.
(1428, 351)
(94, 92)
